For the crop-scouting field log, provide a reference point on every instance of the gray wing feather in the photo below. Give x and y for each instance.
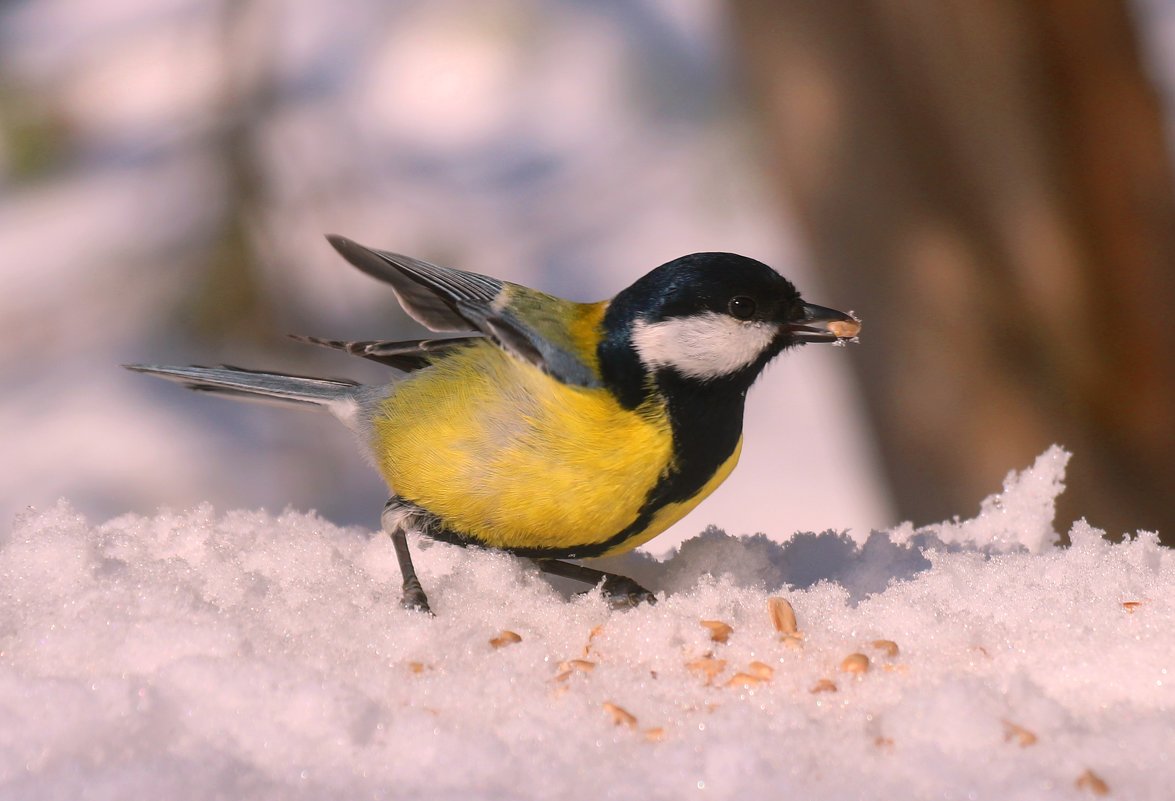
(444, 299)
(407, 355)
(229, 380)
(428, 293)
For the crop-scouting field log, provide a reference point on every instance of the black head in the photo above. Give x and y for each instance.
(709, 318)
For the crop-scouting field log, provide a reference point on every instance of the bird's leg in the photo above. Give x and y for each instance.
(622, 590)
(391, 520)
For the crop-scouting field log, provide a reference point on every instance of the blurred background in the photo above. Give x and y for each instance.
(988, 185)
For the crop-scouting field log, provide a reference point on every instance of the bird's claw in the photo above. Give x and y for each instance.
(414, 597)
(625, 593)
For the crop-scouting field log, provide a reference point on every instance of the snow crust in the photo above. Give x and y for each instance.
(246, 655)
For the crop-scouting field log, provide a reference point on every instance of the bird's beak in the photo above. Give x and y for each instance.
(820, 324)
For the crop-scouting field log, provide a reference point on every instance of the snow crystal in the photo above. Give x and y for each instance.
(245, 655)
(1021, 515)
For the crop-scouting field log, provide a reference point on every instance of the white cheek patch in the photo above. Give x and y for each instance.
(705, 346)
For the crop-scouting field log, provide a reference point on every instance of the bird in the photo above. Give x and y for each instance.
(546, 428)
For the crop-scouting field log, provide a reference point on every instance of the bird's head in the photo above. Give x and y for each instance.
(711, 318)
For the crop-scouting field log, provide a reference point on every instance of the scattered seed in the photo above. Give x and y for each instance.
(707, 666)
(655, 734)
(744, 680)
(1130, 606)
(783, 616)
(578, 664)
(823, 686)
(504, 638)
(1021, 735)
(885, 743)
(855, 663)
(761, 669)
(417, 667)
(719, 631)
(595, 632)
(570, 666)
(1092, 782)
(620, 715)
(887, 647)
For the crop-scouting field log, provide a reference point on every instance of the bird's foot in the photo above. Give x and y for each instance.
(624, 593)
(414, 597)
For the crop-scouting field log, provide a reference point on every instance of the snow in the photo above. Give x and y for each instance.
(245, 655)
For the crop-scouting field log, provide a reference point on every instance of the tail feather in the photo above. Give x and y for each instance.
(338, 395)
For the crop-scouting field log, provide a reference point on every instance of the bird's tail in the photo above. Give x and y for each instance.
(339, 396)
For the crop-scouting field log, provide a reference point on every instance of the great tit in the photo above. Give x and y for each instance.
(547, 428)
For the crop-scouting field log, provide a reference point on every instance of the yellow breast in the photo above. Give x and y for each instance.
(509, 456)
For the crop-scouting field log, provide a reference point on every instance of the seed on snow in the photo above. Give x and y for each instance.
(887, 647)
(761, 669)
(1092, 782)
(504, 638)
(855, 663)
(595, 632)
(1018, 733)
(744, 680)
(719, 631)
(783, 616)
(570, 666)
(620, 715)
(708, 666)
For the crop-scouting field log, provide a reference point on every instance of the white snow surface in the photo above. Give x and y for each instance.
(198, 655)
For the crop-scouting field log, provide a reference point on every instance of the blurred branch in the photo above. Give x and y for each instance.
(33, 136)
(987, 183)
(230, 300)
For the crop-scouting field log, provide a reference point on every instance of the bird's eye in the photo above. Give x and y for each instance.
(742, 307)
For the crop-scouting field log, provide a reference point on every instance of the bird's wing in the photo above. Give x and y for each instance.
(407, 355)
(531, 325)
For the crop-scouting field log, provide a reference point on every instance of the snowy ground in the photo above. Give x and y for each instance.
(241, 655)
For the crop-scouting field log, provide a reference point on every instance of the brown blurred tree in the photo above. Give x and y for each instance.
(229, 300)
(988, 185)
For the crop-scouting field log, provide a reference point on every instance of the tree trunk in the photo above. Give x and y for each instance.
(987, 184)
